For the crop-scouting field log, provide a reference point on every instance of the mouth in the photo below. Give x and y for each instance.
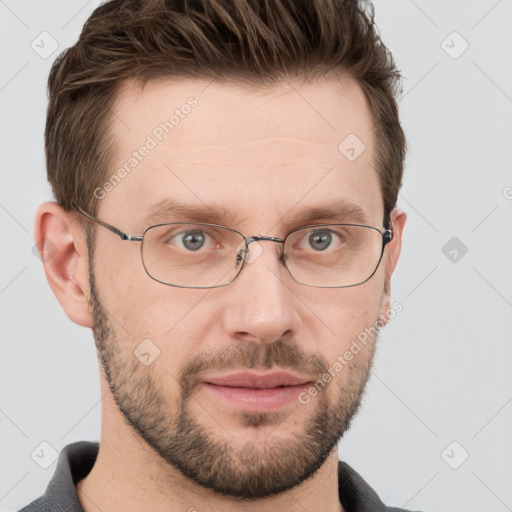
(257, 393)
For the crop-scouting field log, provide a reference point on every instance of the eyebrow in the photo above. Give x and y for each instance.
(202, 213)
(338, 211)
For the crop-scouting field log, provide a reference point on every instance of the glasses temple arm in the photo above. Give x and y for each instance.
(118, 232)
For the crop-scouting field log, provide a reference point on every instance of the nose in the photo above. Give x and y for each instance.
(261, 305)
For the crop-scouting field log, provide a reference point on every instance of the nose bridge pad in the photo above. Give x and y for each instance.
(282, 256)
(251, 254)
(241, 253)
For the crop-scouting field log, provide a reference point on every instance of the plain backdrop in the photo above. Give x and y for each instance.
(434, 432)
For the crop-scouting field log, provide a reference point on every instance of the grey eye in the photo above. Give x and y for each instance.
(320, 240)
(193, 240)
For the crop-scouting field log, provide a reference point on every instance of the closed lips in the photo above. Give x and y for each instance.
(251, 380)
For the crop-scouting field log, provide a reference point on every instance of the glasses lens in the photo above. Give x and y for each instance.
(192, 255)
(333, 255)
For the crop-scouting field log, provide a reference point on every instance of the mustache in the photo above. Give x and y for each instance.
(284, 354)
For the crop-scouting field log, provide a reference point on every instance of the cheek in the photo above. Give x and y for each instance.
(169, 323)
(341, 316)
(150, 317)
(136, 301)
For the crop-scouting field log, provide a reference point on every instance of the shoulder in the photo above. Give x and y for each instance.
(356, 494)
(39, 505)
(74, 463)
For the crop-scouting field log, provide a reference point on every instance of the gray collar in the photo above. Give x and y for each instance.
(77, 459)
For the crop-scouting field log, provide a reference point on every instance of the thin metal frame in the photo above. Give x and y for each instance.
(387, 236)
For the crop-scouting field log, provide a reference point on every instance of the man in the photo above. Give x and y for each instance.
(226, 176)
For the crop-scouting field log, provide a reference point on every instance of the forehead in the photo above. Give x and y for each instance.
(262, 152)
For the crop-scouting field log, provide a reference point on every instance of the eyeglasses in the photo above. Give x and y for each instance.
(197, 255)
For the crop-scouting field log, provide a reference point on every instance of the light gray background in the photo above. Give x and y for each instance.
(443, 369)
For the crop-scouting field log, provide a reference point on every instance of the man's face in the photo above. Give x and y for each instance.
(265, 156)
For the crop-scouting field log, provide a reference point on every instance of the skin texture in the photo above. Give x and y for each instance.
(167, 442)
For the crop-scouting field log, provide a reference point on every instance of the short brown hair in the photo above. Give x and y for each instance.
(249, 42)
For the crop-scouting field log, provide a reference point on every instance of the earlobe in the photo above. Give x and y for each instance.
(62, 247)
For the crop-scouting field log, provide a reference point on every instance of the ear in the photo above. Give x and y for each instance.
(390, 260)
(62, 247)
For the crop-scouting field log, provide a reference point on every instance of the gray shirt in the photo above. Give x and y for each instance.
(77, 459)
